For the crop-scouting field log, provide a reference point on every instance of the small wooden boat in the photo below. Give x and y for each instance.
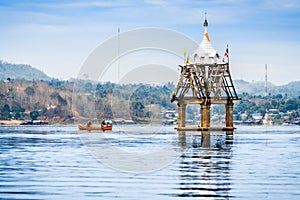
(95, 128)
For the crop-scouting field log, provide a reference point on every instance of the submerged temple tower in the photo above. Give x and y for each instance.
(205, 81)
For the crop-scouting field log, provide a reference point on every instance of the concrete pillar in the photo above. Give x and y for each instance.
(182, 139)
(229, 132)
(205, 115)
(205, 139)
(229, 114)
(181, 114)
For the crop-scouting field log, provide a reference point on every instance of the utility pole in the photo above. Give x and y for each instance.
(266, 80)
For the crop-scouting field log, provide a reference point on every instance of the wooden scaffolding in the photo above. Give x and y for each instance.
(205, 82)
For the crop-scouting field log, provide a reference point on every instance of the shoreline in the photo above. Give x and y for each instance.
(15, 122)
(12, 122)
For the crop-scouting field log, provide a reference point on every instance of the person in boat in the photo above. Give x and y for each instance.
(103, 123)
(89, 124)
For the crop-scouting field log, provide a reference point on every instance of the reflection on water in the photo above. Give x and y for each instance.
(205, 168)
(52, 163)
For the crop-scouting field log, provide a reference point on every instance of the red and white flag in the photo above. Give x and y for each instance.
(226, 54)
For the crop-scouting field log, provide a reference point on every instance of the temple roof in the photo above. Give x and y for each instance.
(205, 53)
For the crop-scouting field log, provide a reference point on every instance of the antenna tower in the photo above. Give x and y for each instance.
(266, 80)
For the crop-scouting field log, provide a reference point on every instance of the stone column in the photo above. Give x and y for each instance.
(205, 115)
(229, 114)
(205, 139)
(182, 139)
(181, 114)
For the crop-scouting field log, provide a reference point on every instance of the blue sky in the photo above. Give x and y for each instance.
(56, 36)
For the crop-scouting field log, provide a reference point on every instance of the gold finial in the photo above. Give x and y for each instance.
(188, 60)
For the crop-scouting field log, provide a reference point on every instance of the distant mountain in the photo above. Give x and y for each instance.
(20, 71)
(291, 89)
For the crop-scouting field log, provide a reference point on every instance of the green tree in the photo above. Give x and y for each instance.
(17, 111)
(17, 108)
(29, 91)
(291, 104)
(89, 87)
(149, 114)
(137, 109)
(17, 115)
(34, 114)
(6, 112)
(62, 101)
(54, 95)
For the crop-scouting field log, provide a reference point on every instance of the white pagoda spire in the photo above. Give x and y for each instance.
(205, 53)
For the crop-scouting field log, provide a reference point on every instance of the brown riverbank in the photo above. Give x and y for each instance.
(10, 122)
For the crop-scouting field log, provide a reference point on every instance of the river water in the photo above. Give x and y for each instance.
(58, 162)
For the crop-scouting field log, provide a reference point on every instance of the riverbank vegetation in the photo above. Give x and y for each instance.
(65, 101)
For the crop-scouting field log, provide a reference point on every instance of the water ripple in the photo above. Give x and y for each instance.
(52, 163)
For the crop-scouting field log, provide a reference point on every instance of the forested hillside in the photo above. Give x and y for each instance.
(291, 89)
(66, 101)
(20, 71)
